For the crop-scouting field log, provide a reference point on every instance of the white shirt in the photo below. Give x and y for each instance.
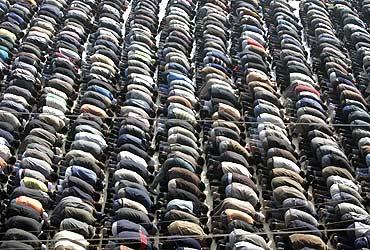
(232, 167)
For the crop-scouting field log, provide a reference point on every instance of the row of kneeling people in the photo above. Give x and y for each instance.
(230, 171)
(80, 185)
(183, 214)
(131, 205)
(31, 185)
(289, 205)
(343, 172)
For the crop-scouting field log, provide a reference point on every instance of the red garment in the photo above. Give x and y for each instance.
(251, 41)
(300, 88)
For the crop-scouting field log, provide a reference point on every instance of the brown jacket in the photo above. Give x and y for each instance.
(300, 241)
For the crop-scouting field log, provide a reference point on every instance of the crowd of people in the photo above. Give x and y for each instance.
(34, 136)
(289, 188)
(45, 78)
(82, 172)
(182, 214)
(341, 183)
(132, 210)
(230, 171)
(184, 124)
